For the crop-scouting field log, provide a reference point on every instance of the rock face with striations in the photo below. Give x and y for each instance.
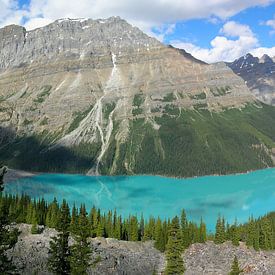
(259, 75)
(84, 95)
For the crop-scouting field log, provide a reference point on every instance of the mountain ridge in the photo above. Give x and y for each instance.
(258, 74)
(105, 91)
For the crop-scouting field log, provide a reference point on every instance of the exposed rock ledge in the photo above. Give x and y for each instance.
(121, 257)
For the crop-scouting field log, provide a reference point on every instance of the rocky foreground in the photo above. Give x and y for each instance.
(121, 257)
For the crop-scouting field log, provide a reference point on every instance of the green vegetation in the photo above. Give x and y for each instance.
(8, 237)
(235, 269)
(220, 91)
(78, 117)
(188, 143)
(107, 109)
(170, 236)
(27, 122)
(59, 252)
(32, 154)
(169, 98)
(199, 142)
(174, 249)
(138, 100)
(45, 91)
(137, 111)
(198, 96)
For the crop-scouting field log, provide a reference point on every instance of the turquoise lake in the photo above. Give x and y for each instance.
(233, 196)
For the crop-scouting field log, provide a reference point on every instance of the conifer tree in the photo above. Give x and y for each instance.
(74, 221)
(235, 269)
(174, 249)
(80, 251)
(133, 229)
(59, 253)
(159, 236)
(220, 231)
(34, 228)
(202, 232)
(235, 234)
(185, 230)
(8, 238)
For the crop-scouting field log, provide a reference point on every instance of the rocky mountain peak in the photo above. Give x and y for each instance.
(259, 75)
(266, 59)
(74, 38)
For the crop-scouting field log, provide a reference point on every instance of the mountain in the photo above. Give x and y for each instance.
(258, 74)
(100, 96)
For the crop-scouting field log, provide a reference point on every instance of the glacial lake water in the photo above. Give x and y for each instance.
(233, 196)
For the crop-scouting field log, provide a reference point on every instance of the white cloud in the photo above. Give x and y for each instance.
(234, 29)
(234, 39)
(271, 23)
(225, 49)
(259, 52)
(141, 12)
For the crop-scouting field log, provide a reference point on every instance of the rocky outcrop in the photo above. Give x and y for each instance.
(121, 257)
(109, 256)
(258, 74)
(212, 259)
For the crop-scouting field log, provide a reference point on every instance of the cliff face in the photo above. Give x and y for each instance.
(96, 83)
(259, 75)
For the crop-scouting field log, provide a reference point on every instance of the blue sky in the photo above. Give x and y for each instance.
(212, 30)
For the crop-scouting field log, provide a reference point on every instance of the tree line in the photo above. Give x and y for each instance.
(171, 236)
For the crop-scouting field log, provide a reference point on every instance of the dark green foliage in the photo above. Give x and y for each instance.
(235, 269)
(107, 109)
(188, 143)
(80, 251)
(138, 100)
(174, 249)
(8, 238)
(198, 96)
(78, 117)
(169, 98)
(59, 252)
(137, 111)
(32, 154)
(220, 91)
(220, 235)
(198, 143)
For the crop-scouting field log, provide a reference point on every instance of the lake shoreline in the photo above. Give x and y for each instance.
(14, 174)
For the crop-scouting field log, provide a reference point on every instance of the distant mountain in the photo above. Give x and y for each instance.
(258, 74)
(100, 96)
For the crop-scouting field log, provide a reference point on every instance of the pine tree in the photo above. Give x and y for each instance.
(133, 229)
(74, 221)
(59, 253)
(235, 269)
(159, 236)
(220, 231)
(174, 250)
(80, 251)
(202, 232)
(34, 228)
(8, 239)
(235, 234)
(185, 230)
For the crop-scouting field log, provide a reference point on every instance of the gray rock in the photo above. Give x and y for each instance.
(258, 74)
